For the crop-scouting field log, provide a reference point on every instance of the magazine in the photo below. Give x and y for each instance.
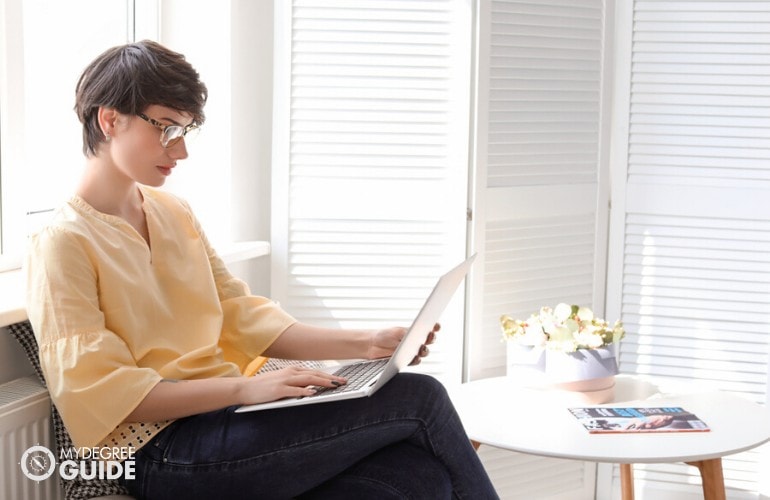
(599, 420)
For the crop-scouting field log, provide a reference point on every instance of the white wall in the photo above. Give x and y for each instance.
(226, 179)
(252, 108)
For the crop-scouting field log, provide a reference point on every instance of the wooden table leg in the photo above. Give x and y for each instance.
(712, 477)
(627, 481)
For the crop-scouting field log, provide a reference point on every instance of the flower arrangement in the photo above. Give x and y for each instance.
(564, 328)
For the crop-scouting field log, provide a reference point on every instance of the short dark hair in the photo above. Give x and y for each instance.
(131, 77)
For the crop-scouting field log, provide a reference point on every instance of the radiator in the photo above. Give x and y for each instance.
(25, 421)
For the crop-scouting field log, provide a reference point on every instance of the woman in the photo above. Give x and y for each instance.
(127, 298)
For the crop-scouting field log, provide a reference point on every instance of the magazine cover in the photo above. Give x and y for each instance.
(656, 419)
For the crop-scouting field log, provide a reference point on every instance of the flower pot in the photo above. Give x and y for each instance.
(583, 364)
(524, 358)
(590, 373)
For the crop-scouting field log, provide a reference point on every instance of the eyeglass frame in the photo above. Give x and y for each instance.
(164, 128)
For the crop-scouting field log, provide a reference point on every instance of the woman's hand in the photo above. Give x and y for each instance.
(181, 398)
(291, 382)
(424, 351)
(385, 341)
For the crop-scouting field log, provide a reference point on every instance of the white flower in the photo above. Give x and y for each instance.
(534, 335)
(562, 312)
(589, 339)
(585, 314)
(564, 328)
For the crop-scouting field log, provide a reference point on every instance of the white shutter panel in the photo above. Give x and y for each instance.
(539, 211)
(372, 142)
(692, 275)
(540, 83)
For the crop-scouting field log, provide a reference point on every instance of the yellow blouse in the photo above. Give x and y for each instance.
(113, 315)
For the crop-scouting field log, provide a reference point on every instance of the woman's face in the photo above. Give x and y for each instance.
(136, 148)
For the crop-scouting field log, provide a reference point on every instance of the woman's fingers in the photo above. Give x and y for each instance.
(424, 351)
(307, 377)
(432, 334)
(290, 382)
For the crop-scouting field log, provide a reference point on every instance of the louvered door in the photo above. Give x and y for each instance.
(690, 263)
(540, 208)
(370, 179)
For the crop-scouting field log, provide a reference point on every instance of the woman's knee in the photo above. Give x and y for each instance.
(419, 385)
(421, 391)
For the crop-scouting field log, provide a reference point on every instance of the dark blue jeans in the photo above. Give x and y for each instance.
(405, 441)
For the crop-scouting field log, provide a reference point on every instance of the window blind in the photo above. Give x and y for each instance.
(539, 211)
(694, 228)
(372, 163)
(532, 262)
(540, 84)
(544, 86)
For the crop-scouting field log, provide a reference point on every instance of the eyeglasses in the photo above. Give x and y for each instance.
(171, 134)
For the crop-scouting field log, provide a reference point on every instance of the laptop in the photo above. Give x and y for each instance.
(366, 377)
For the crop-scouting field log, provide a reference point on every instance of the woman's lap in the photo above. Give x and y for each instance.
(284, 452)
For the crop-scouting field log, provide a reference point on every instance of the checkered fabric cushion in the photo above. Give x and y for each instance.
(76, 489)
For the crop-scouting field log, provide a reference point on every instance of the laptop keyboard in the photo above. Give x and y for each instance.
(357, 375)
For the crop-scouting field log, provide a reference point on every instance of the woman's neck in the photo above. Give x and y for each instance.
(108, 191)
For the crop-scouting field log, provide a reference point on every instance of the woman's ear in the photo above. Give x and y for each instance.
(107, 118)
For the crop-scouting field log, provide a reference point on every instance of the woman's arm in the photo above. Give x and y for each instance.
(181, 398)
(302, 341)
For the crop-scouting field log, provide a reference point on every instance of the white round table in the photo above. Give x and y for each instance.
(501, 413)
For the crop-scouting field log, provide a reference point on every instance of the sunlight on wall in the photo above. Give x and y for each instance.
(204, 178)
(681, 329)
(41, 154)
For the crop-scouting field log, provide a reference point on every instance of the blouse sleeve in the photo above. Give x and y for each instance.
(85, 364)
(248, 320)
